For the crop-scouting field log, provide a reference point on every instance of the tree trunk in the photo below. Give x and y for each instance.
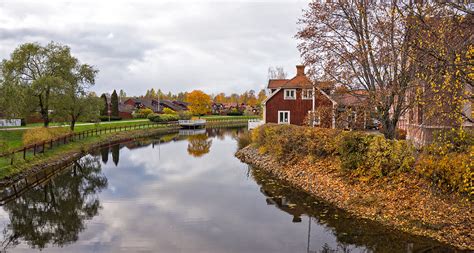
(73, 123)
(389, 127)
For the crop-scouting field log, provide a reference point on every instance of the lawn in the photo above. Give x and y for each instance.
(13, 138)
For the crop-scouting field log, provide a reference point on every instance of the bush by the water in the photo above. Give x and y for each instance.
(448, 162)
(40, 134)
(111, 118)
(142, 113)
(163, 117)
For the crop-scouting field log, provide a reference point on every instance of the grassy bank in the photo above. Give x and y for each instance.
(77, 147)
(13, 138)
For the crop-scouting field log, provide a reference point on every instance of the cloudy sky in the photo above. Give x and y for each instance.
(172, 45)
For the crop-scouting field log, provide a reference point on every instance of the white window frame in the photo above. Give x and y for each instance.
(305, 93)
(279, 118)
(289, 97)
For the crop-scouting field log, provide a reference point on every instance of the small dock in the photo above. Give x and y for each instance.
(192, 124)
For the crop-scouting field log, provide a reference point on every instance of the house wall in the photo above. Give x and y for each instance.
(298, 108)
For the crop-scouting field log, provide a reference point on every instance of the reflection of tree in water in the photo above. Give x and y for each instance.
(105, 154)
(115, 153)
(55, 212)
(347, 229)
(199, 145)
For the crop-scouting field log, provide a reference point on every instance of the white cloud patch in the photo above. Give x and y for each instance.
(172, 45)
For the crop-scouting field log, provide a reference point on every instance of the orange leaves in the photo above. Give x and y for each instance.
(199, 102)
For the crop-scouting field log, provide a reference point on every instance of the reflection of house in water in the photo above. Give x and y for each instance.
(282, 203)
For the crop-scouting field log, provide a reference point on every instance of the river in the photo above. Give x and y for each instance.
(181, 192)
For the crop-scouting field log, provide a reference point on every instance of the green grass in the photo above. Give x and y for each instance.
(21, 164)
(13, 138)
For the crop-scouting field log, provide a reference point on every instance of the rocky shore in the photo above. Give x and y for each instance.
(408, 203)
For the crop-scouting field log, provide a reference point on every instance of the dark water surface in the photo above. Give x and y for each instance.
(174, 193)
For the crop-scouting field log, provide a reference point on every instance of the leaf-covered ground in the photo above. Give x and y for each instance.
(406, 202)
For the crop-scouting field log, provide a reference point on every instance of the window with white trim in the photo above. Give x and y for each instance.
(307, 94)
(283, 117)
(289, 94)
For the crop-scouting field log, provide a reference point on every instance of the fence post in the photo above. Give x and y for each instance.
(51, 144)
(24, 153)
(34, 150)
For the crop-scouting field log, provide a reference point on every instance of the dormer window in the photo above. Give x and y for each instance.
(289, 94)
(307, 94)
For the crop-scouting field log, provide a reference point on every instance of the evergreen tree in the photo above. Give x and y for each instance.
(105, 106)
(114, 104)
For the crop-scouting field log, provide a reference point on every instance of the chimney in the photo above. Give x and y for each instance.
(300, 70)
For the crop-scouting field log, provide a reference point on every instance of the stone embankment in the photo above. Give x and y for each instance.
(405, 202)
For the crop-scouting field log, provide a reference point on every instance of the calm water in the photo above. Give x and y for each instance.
(174, 193)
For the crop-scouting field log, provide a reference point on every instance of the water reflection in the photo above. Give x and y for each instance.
(55, 212)
(184, 192)
(199, 145)
(349, 231)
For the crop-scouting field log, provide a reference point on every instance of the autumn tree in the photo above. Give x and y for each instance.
(262, 95)
(362, 45)
(220, 98)
(114, 104)
(199, 102)
(444, 59)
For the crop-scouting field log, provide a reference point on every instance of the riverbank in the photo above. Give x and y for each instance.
(406, 202)
(74, 150)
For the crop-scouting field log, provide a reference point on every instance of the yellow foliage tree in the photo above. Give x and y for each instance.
(199, 102)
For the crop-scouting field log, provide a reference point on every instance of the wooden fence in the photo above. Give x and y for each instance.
(41, 147)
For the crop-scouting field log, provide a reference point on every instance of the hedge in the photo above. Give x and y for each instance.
(448, 162)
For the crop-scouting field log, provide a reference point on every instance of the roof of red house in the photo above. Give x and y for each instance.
(299, 81)
(351, 98)
(276, 83)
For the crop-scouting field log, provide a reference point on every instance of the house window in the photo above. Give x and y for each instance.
(307, 94)
(283, 117)
(290, 94)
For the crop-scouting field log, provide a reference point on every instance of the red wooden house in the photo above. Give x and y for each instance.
(291, 101)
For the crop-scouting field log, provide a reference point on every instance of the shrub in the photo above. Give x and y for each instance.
(142, 113)
(385, 157)
(353, 148)
(235, 112)
(322, 141)
(289, 142)
(454, 140)
(163, 117)
(40, 134)
(112, 118)
(185, 115)
(451, 172)
(168, 111)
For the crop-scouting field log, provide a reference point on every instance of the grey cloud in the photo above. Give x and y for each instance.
(177, 46)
